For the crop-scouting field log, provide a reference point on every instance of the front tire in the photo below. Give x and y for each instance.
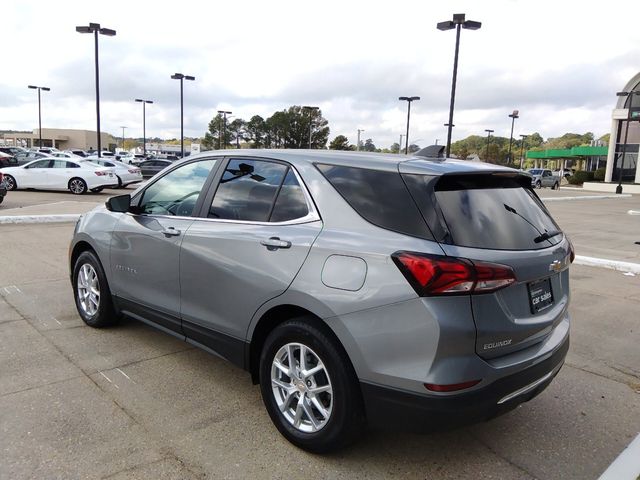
(309, 387)
(77, 186)
(556, 186)
(10, 182)
(538, 184)
(91, 292)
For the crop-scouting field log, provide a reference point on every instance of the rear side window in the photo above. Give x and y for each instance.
(492, 212)
(290, 203)
(380, 197)
(247, 190)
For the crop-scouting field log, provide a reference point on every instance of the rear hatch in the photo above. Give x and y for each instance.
(495, 217)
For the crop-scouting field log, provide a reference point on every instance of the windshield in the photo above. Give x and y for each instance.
(535, 171)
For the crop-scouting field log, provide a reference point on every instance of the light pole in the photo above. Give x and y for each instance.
(458, 22)
(311, 109)
(46, 89)
(626, 135)
(123, 127)
(144, 124)
(489, 132)
(400, 144)
(360, 130)
(96, 29)
(408, 100)
(513, 117)
(181, 77)
(223, 130)
(524, 138)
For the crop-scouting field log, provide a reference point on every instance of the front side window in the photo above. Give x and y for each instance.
(177, 192)
(247, 190)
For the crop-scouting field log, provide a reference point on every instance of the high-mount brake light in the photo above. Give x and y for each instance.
(440, 275)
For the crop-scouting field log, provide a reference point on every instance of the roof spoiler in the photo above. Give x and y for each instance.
(432, 151)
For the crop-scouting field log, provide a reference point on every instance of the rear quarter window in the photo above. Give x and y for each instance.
(380, 197)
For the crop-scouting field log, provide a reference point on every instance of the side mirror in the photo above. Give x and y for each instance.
(119, 203)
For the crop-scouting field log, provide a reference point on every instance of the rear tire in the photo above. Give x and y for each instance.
(10, 182)
(556, 186)
(77, 186)
(91, 292)
(97, 190)
(319, 411)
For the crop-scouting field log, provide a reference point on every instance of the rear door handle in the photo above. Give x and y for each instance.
(171, 232)
(275, 243)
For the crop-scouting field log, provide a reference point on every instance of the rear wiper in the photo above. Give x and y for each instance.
(547, 236)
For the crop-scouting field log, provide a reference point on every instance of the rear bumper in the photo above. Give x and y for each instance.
(389, 408)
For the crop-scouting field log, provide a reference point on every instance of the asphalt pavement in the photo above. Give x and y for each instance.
(132, 402)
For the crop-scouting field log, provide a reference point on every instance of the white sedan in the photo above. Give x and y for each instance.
(125, 174)
(59, 174)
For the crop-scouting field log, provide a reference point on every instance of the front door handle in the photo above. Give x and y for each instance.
(275, 243)
(171, 232)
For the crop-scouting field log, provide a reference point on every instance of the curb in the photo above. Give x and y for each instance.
(586, 197)
(611, 264)
(30, 219)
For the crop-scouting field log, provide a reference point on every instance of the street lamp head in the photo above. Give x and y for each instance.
(189, 77)
(448, 25)
(83, 29)
(458, 17)
(32, 86)
(524, 136)
(488, 130)
(46, 89)
(514, 114)
(177, 76)
(409, 99)
(148, 101)
(108, 32)
(139, 100)
(471, 25)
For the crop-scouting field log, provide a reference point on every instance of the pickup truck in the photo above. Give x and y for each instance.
(544, 178)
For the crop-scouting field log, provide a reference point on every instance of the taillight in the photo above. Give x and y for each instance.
(100, 174)
(440, 275)
(134, 170)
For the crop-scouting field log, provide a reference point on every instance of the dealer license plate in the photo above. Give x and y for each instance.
(540, 295)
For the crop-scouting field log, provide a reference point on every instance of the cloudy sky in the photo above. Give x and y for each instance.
(558, 62)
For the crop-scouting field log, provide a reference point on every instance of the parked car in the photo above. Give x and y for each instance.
(65, 155)
(544, 178)
(564, 173)
(59, 174)
(354, 289)
(78, 152)
(126, 174)
(150, 167)
(7, 160)
(13, 151)
(3, 188)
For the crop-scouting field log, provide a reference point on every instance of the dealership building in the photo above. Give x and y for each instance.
(622, 158)
(60, 138)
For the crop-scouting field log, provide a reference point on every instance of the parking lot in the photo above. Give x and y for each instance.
(131, 402)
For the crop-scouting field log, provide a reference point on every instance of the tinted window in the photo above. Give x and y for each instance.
(291, 202)
(59, 164)
(485, 211)
(72, 165)
(379, 197)
(247, 190)
(176, 193)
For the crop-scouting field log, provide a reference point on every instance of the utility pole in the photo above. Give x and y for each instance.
(358, 144)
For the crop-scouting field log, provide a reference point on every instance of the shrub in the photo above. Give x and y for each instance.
(598, 175)
(580, 177)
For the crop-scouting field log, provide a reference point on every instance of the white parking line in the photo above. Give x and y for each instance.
(634, 212)
(585, 197)
(605, 263)
(128, 377)
(109, 380)
(627, 465)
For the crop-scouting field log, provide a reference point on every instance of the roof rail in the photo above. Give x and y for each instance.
(432, 151)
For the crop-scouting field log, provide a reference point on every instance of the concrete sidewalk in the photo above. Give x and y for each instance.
(55, 208)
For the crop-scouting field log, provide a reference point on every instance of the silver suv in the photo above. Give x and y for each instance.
(405, 292)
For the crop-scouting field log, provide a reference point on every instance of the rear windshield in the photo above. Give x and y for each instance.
(488, 211)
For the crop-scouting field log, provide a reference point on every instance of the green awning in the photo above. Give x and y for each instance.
(569, 152)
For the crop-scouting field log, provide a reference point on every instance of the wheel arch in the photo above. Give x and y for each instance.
(275, 316)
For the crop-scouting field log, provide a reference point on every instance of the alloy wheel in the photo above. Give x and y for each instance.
(77, 186)
(88, 290)
(301, 387)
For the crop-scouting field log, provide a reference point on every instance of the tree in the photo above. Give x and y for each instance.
(211, 140)
(413, 148)
(236, 131)
(340, 143)
(255, 132)
(368, 146)
(394, 148)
